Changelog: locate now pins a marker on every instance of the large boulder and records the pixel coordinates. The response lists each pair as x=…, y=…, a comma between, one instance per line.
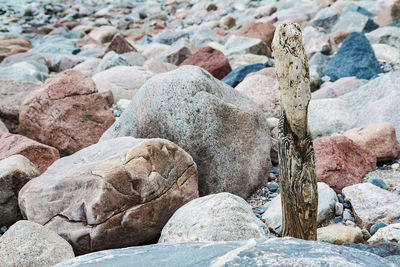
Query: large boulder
x=224, y=131
x=372, y=204
x=260, y=252
x=354, y=58
x=42, y=156
x=30, y=244
x=341, y=162
x=15, y=172
x=109, y=196
x=12, y=94
x=121, y=81
x=210, y=59
x=217, y=217
x=379, y=139
x=67, y=112
x=326, y=208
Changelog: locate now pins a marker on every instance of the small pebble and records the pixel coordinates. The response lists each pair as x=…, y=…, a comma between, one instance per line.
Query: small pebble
x=338, y=209
x=338, y=219
x=395, y=166
x=377, y=182
x=346, y=215
x=340, y=198
x=272, y=186
x=3, y=229
x=346, y=205
x=374, y=228
x=366, y=234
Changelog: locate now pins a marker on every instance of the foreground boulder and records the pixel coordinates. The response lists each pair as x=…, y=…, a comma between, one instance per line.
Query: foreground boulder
x=30, y=244
x=326, y=209
x=379, y=139
x=42, y=156
x=12, y=94
x=372, y=204
x=340, y=162
x=110, y=194
x=208, y=119
x=254, y=252
x=217, y=217
x=15, y=172
x=67, y=112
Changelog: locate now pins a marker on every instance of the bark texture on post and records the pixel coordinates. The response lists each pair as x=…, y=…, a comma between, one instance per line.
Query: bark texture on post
x=296, y=155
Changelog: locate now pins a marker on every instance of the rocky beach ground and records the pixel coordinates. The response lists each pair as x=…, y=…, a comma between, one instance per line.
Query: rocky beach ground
x=146, y=132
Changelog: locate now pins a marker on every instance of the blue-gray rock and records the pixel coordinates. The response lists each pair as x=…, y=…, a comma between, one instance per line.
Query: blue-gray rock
x=318, y=62
x=237, y=75
x=273, y=186
x=354, y=58
x=359, y=9
x=378, y=182
x=383, y=249
x=376, y=227
x=203, y=36
x=210, y=121
x=338, y=219
x=254, y=252
x=169, y=37
x=145, y=40
x=340, y=198
x=112, y=59
x=244, y=45
x=325, y=18
x=395, y=259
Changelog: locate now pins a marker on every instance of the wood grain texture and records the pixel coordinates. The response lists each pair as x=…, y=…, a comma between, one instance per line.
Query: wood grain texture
x=296, y=155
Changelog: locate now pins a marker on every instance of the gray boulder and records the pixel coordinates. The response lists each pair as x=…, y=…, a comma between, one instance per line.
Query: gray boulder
x=224, y=131
x=217, y=217
x=254, y=252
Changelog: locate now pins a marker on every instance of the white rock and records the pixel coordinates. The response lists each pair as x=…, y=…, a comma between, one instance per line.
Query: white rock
x=339, y=234
x=386, y=52
x=390, y=233
x=338, y=209
x=217, y=217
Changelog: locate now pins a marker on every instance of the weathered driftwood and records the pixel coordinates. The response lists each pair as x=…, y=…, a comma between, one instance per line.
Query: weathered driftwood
x=296, y=155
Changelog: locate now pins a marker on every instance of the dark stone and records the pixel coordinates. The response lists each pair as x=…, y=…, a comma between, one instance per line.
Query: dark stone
x=340, y=198
x=354, y=58
x=254, y=252
x=347, y=205
x=374, y=228
x=378, y=182
x=273, y=186
x=370, y=26
x=238, y=74
x=338, y=219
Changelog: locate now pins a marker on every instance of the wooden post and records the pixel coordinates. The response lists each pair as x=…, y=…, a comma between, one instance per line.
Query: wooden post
x=297, y=173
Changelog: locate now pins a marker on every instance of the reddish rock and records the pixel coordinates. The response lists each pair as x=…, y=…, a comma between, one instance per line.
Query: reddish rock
x=120, y=45
x=12, y=94
x=340, y=162
x=379, y=139
x=210, y=59
x=67, y=112
x=211, y=7
x=259, y=30
x=40, y=155
x=11, y=47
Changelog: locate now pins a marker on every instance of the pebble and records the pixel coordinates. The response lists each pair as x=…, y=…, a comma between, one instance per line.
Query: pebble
x=338, y=209
x=338, y=219
x=378, y=182
x=374, y=228
x=347, y=215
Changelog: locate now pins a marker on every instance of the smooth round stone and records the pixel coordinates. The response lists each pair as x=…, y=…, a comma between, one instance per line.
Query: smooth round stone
x=273, y=186
x=377, y=182
x=338, y=219
x=376, y=227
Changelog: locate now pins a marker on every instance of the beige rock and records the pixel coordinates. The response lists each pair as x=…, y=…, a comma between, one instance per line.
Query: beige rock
x=15, y=172
x=110, y=196
x=338, y=234
x=379, y=139
x=372, y=204
x=262, y=88
x=158, y=66
x=153, y=50
x=227, y=21
x=390, y=233
x=103, y=34
x=28, y=244
x=386, y=52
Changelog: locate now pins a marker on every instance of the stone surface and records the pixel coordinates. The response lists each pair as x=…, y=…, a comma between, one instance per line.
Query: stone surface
x=246, y=59
x=120, y=45
x=244, y=45
x=169, y=37
x=264, y=252
x=216, y=217
x=205, y=117
x=158, y=66
x=67, y=112
x=122, y=81
x=12, y=94
x=339, y=87
x=112, y=59
x=210, y=59
x=389, y=35
x=3, y=127
x=42, y=156
x=326, y=209
x=354, y=58
x=30, y=244
x=10, y=47
x=340, y=162
x=258, y=30
x=15, y=171
x=325, y=18
x=110, y=198
x=89, y=66
x=354, y=22
x=372, y=204
x=227, y=21
x=262, y=88
x=374, y=228
x=379, y=139
x=103, y=34
x=177, y=53
x=238, y=74
x=339, y=234
x=386, y=53
x=390, y=233
x=68, y=62
x=204, y=36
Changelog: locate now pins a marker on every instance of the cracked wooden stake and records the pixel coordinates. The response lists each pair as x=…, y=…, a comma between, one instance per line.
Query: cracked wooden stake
x=297, y=173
